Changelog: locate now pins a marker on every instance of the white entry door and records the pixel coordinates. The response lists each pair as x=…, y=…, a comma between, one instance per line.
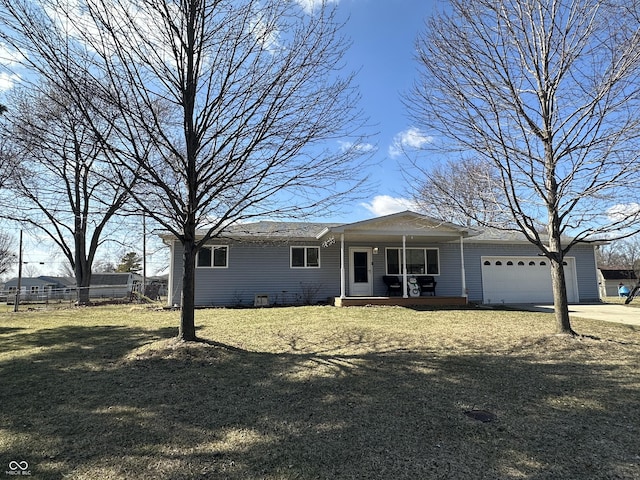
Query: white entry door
x=360, y=272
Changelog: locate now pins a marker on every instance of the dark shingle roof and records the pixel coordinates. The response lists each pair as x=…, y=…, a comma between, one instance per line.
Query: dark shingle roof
x=279, y=230
x=110, y=278
x=617, y=273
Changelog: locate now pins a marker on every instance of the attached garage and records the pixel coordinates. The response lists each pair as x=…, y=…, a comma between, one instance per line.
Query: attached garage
x=523, y=279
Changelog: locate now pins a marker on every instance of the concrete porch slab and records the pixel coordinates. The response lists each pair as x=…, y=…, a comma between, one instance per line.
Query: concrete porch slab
x=399, y=301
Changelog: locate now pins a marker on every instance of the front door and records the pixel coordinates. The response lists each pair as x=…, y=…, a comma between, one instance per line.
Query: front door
x=360, y=272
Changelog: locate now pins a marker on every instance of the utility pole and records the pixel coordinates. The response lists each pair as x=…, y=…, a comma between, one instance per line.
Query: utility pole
x=16, y=302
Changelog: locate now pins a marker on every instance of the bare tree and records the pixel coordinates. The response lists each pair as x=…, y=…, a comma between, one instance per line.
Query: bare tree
x=63, y=185
x=547, y=91
x=7, y=255
x=30, y=270
x=465, y=191
x=621, y=254
x=244, y=103
x=7, y=161
x=104, y=266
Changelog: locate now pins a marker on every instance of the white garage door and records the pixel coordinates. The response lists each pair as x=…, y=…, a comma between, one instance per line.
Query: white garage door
x=523, y=279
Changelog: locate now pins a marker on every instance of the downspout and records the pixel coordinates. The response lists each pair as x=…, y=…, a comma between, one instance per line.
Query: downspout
x=342, y=269
x=404, y=267
x=462, y=270
x=602, y=286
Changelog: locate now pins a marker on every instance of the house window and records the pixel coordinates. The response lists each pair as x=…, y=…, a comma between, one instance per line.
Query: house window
x=213, y=257
x=305, y=257
x=420, y=261
x=34, y=289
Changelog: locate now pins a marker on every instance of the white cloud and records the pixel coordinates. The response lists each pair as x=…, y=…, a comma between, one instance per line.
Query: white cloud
x=7, y=81
x=361, y=147
x=386, y=205
x=266, y=34
x=309, y=6
x=9, y=59
x=412, y=138
x=132, y=21
x=622, y=211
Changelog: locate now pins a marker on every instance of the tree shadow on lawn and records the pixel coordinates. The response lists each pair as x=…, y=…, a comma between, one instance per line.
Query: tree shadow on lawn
x=96, y=402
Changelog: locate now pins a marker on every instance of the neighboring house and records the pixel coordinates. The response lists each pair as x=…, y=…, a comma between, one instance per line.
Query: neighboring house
x=42, y=287
x=297, y=263
x=610, y=279
x=103, y=285
x=114, y=285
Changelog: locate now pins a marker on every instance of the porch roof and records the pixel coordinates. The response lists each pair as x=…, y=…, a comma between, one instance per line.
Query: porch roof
x=414, y=226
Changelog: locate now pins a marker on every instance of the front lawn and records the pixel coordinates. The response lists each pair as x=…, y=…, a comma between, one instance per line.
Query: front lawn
x=317, y=393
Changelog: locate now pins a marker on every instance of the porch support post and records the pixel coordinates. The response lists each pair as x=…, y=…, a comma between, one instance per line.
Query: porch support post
x=405, y=294
x=342, y=269
x=462, y=271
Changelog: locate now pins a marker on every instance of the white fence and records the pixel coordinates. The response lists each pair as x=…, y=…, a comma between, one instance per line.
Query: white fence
x=70, y=294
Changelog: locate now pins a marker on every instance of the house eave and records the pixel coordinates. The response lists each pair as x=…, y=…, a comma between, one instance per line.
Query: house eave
x=392, y=226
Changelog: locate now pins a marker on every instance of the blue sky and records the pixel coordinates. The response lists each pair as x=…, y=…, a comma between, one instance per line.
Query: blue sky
x=383, y=33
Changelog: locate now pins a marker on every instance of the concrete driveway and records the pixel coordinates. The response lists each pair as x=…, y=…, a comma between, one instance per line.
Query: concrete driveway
x=597, y=311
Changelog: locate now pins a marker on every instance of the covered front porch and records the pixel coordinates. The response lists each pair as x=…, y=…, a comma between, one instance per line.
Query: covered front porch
x=408, y=248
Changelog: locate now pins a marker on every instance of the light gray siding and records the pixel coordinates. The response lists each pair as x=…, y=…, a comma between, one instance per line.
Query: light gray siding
x=583, y=254
x=264, y=268
x=587, y=272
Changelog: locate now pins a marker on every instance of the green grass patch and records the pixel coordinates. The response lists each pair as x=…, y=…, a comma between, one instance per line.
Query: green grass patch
x=317, y=393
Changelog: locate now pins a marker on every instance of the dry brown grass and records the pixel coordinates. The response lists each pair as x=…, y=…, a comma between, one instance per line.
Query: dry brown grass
x=317, y=392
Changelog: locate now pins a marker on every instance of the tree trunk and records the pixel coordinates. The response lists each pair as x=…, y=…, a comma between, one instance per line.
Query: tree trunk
x=83, y=290
x=560, y=302
x=556, y=254
x=187, y=330
x=558, y=281
x=83, y=280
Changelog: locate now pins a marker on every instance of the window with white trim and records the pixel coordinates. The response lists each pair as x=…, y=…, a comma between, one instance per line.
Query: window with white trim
x=305, y=257
x=216, y=256
x=420, y=261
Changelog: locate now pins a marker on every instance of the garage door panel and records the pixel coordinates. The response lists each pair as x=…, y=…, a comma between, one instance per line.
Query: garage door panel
x=521, y=279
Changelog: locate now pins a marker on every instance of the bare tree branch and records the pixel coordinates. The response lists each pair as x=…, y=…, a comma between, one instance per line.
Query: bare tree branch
x=7, y=255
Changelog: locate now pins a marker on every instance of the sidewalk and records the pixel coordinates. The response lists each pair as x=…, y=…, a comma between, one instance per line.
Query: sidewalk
x=598, y=311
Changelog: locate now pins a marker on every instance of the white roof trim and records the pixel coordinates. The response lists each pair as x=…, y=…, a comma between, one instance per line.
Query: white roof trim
x=416, y=224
